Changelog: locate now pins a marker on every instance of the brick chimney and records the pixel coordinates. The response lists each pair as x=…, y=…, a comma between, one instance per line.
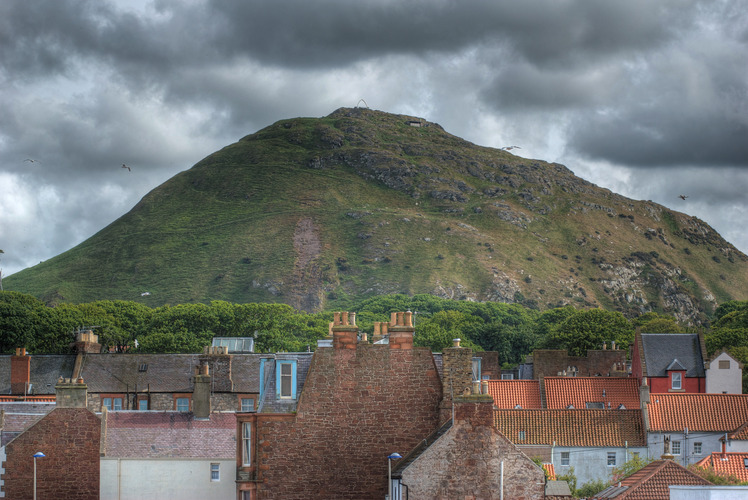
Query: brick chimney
x=475, y=409
x=20, y=372
x=218, y=360
x=201, y=392
x=401, y=331
x=457, y=375
x=71, y=393
x=344, y=333
x=86, y=341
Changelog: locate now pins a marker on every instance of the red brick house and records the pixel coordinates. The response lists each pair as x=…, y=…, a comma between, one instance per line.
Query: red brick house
x=669, y=362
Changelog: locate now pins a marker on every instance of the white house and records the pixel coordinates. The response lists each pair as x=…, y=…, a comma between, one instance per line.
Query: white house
x=724, y=374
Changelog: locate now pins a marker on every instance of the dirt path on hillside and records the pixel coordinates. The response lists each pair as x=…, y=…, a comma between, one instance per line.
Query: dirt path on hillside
x=306, y=286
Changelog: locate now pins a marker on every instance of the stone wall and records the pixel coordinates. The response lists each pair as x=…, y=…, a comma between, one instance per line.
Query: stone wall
x=358, y=406
x=466, y=462
x=70, y=438
x=600, y=362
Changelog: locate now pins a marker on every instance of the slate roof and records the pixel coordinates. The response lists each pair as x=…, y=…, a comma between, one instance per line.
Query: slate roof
x=510, y=393
x=616, y=428
x=45, y=370
x=19, y=416
x=697, y=412
x=661, y=349
x=560, y=392
x=150, y=434
x=729, y=464
x=269, y=404
x=652, y=482
x=164, y=372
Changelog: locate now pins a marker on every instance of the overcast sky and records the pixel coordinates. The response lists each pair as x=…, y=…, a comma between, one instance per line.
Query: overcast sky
x=646, y=98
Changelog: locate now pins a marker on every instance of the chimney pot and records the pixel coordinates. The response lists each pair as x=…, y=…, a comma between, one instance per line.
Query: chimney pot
x=605, y=346
x=476, y=387
x=353, y=319
x=484, y=386
x=18, y=351
x=400, y=319
x=345, y=318
x=408, y=318
x=455, y=342
x=336, y=318
x=393, y=319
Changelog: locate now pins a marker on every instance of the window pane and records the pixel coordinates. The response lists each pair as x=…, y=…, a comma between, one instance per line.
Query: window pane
x=142, y=404
x=248, y=404
x=611, y=458
x=183, y=404
x=676, y=380
x=246, y=443
x=697, y=448
x=215, y=472
x=116, y=403
x=286, y=378
x=564, y=458
x=107, y=403
x=676, y=448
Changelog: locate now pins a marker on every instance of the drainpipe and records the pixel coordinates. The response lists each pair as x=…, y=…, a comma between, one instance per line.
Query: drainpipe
x=501, y=482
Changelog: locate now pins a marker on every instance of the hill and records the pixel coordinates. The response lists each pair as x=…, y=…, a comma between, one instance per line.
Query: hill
x=316, y=212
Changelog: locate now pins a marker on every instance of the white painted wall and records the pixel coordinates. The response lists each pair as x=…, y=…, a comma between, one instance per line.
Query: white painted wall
x=2, y=469
x=708, y=492
x=724, y=380
x=592, y=463
x=709, y=443
x=165, y=479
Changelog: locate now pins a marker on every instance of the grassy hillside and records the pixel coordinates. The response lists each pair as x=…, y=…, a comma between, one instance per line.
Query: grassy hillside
x=317, y=212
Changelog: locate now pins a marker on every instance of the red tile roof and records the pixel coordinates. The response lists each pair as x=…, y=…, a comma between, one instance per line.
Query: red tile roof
x=652, y=482
x=572, y=427
x=510, y=393
x=560, y=392
x=697, y=412
x=741, y=433
x=729, y=464
x=550, y=471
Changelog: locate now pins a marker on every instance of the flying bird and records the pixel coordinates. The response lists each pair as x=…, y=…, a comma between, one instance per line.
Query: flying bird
x=682, y=196
x=509, y=148
x=30, y=160
x=144, y=294
x=128, y=168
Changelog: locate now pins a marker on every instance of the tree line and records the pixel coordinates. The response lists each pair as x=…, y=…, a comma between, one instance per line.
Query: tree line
x=511, y=329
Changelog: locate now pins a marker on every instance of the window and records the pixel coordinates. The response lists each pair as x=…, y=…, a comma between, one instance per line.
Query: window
x=246, y=444
x=594, y=405
x=183, y=404
x=111, y=403
x=521, y=436
x=286, y=380
x=675, y=447
x=611, y=459
x=248, y=404
x=676, y=381
x=215, y=472
x=142, y=404
x=724, y=364
x=507, y=376
x=697, y=448
x=564, y=458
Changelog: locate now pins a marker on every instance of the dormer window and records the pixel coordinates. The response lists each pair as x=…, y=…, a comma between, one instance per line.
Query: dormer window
x=676, y=381
x=286, y=379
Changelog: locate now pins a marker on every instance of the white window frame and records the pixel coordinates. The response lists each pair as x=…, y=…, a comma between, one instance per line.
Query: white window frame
x=247, y=405
x=246, y=444
x=676, y=381
x=612, y=458
x=565, y=458
x=697, y=448
x=675, y=447
x=215, y=472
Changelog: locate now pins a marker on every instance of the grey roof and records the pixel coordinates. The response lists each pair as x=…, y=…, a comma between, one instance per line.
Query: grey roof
x=557, y=488
x=661, y=349
x=163, y=372
x=269, y=403
x=675, y=366
x=19, y=416
x=45, y=370
x=148, y=434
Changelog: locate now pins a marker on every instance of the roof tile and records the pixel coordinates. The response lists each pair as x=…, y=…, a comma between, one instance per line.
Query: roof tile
x=729, y=464
x=510, y=393
x=560, y=392
x=697, y=412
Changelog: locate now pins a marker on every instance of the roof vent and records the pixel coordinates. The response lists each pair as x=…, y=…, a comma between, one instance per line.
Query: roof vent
x=143, y=367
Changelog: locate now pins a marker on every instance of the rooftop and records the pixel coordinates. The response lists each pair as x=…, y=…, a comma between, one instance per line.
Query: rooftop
x=730, y=464
x=652, y=482
x=512, y=393
x=697, y=412
x=661, y=349
x=616, y=428
x=560, y=392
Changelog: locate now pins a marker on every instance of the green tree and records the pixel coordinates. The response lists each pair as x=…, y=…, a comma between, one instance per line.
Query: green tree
x=588, y=330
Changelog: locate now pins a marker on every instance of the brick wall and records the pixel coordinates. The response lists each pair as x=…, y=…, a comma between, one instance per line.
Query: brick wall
x=602, y=362
x=69, y=437
x=20, y=372
x=357, y=407
x=466, y=461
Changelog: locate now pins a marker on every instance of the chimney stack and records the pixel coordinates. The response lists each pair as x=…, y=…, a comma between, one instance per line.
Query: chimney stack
x=71, y=393
x=344, y=334
x=401, y=332
x=201, y=393
x=20, y=372
x=457, y=375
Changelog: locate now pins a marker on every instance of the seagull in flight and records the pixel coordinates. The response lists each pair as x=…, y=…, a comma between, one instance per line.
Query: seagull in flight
x=509, y=148
x=30, y=160
x=128, y=168
x=682, y=196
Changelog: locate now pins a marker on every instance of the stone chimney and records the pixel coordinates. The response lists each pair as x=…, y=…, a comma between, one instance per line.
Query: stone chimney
x=201, y=392
x=344, y=333
x=20, y=372
x=643, y=400
x=457, y=375
x=86, y=341
x=474, y=409
x=218, y=360
x=401, y=332
x=71, y=393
